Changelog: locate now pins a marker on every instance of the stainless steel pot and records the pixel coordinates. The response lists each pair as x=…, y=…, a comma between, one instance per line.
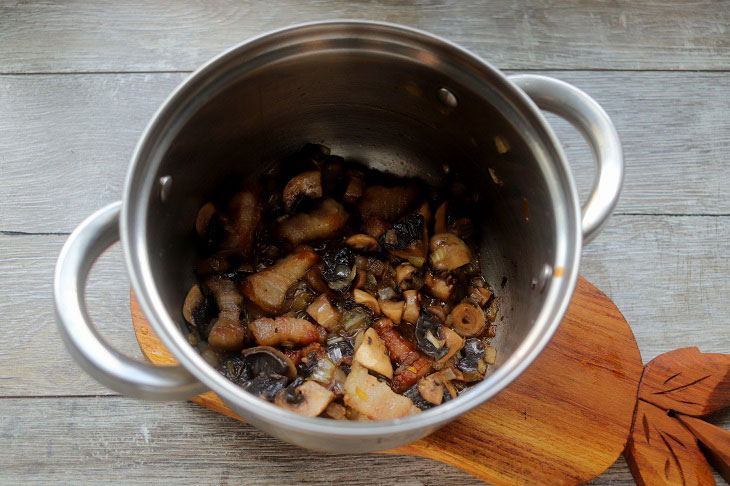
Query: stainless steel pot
x=395, y=98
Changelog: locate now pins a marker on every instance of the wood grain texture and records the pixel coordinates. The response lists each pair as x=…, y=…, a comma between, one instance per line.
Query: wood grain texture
x=663, y=452
x=669, y=276
x=714, y=442
x=561, y=433
x=76, y=133
x=688, y=382
x=142, y=36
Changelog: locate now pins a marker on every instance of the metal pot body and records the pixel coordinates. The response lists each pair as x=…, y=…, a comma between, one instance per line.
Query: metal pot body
x=396, y=99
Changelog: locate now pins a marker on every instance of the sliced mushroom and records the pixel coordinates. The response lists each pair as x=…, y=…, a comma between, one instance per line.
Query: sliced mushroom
x=429, y=336
x=363, y=298
x=407, y=238
x=453, y=344
x=437, y=310
x=268, y=288
x=265, y=386
x=286, y=331
x=265, y=360
x=205, y=214
x=479, y=295
x=471, y=364
x=448, y=252
x=323, y=223
x=370, y=352
x=309, y=399
x=388, y=203
x=339, y=270
x=322, y=311
x=412, y=306
x=403, y=272
x=373, y=398
x=305, y=185
x=466, y=319
x=439, y=286
x=393, y=310
x=431, y=388
x=245, y=214
x=362, y=242
x=193, y=300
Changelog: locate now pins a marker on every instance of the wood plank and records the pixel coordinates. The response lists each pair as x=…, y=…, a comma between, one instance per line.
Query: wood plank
x=85, y=440
x=74, y=134
x=133, y=36
x=669, y=277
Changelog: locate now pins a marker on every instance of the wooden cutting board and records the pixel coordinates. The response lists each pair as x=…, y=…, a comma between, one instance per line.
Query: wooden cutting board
x=563, y=421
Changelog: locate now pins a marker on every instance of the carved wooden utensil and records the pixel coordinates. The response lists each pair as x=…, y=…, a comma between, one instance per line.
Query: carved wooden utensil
x=568, y=417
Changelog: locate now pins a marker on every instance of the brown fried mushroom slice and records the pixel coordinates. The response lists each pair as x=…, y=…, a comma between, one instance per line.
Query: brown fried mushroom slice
x=466, y=319
x=370, y=352
x=431, y=388
x=448, y=252
x=309, y=399
x=363, y=298
x=453, y=344
x=307, y=184
x=362, y=242
x=286, y=331
x=391, y=309
x=324, y=222
x=439, y=286
x=265, y=360
x=411, y=310
x=192, y=301
x=403, y=272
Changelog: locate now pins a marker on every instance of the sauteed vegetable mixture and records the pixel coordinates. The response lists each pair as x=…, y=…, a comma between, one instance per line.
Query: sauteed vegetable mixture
x=333, y=290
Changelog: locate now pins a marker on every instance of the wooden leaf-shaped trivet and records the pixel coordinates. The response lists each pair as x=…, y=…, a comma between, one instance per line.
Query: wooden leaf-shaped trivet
x=664, y=447
x=563, y=421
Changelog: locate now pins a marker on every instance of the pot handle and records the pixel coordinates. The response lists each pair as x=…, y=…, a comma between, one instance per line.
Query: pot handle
x=120, y=373
x=584, y=113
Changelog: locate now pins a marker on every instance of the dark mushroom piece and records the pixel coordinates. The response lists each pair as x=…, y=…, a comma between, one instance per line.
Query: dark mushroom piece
x=309, y=398
x=430, y=337
x=472, y=364
x=407, y=239
x=305, y=185
x=338, y=270
x=264, y=371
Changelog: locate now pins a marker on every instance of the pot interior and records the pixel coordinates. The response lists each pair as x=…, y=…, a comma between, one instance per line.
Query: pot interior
x=379, y=100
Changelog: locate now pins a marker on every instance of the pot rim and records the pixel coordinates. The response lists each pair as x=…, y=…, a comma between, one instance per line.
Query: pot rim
x=133, y=237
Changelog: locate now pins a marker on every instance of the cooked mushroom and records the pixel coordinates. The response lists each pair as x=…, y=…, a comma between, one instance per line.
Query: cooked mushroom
x=466, y=319
x=309, y=399
x=404, y=271
x=245, y=215
x=431, y=388
x=490, y=355
x=453, y=344
x=388, y=203
x=479, y=295
x=265, y=360
x=268, y=288
x=362, y=242
x=324, y=222
x=336, y=411
x=471, y=364
x=192, y=301
x=448, y=252
x=370, y=352
x=286, y=331
x=265, y=386
x=393, y=310
x=412, y=306
x=492, y=310
x=440, y=286
x=205, y=214
x=429, y=336
x=321, y=310
x=363, y=298
x=338, y=270
x=407, y=238
x=305, y=185
x=373, y=398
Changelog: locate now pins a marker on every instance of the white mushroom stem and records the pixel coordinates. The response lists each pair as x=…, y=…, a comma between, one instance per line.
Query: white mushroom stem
x=363, y=298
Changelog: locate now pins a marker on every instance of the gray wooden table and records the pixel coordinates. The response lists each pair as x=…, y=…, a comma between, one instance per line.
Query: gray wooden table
x=79, y=80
